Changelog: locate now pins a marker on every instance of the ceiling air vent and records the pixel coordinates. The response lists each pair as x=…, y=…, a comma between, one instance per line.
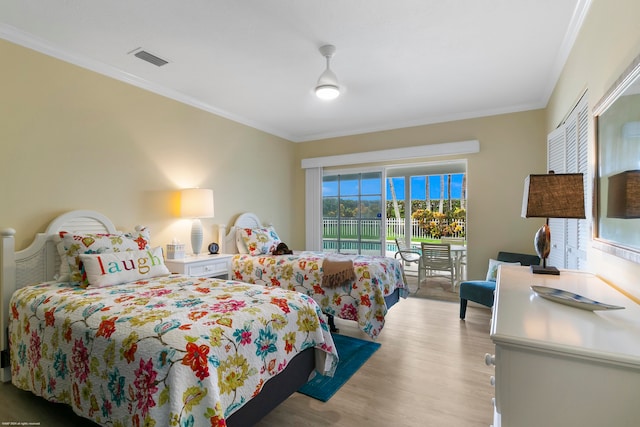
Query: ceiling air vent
x=146, y=56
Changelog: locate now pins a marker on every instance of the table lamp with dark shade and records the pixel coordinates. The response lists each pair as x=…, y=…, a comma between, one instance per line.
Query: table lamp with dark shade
x=623, y=195
x=551, y=196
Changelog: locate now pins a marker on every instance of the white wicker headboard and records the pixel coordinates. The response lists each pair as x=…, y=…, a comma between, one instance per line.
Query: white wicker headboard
x=245, y=220
x=39, y=262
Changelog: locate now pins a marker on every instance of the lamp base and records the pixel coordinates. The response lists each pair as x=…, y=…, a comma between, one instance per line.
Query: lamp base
x=196, y=236
x=538, y=269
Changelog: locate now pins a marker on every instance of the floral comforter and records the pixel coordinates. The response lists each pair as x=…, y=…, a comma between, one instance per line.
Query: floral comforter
x=361, y=300
x=166, y=351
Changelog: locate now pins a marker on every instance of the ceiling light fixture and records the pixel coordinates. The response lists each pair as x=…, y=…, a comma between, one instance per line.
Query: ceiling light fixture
x=327, y=87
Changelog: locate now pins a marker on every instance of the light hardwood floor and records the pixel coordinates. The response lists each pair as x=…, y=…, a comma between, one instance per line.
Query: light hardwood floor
x=429, y=371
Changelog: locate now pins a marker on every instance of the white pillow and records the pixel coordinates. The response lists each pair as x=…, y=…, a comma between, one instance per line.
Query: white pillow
x=492, y=272
x=115, y=268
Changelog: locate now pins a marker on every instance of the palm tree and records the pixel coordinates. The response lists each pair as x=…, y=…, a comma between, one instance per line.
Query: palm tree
x=449, y=192
x=441, y=206
x=427, y=198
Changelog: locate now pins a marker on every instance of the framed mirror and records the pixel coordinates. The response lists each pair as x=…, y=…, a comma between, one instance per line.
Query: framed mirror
x=617, y=179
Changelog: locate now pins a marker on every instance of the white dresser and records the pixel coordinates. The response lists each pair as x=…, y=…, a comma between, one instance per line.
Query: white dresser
x=562, y=366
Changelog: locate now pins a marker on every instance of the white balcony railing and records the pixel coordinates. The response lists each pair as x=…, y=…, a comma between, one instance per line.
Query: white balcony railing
x=395, y=227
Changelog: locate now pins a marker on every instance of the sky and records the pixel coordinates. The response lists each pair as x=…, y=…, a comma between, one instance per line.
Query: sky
x=418, y=189
x=369, y=184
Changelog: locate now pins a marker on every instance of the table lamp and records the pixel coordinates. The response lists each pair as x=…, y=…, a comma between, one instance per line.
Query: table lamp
x=551, y=196
x=196, y=203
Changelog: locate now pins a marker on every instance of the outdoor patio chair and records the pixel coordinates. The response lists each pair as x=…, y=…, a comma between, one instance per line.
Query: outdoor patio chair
x=459, y=255
x=436, y=261
x=407, y=256
x=453, y=240
x=481, y=291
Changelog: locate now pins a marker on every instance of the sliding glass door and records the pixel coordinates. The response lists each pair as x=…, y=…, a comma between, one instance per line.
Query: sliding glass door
x=353, y=213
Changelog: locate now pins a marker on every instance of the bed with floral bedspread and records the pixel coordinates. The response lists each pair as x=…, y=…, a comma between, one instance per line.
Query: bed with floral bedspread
x=165, y=351
x=361, y=300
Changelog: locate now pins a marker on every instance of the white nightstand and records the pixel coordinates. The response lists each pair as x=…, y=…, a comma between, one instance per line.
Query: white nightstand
x=201, y=265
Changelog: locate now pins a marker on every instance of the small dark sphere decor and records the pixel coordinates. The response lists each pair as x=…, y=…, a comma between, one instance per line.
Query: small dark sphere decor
x=542, y=242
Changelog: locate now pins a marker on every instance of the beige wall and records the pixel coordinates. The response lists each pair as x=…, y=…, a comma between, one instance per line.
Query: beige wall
x=74, y=139
x=511, y=147
x=607, y=44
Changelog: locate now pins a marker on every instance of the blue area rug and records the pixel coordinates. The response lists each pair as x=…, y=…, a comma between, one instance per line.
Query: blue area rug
x=353, y=353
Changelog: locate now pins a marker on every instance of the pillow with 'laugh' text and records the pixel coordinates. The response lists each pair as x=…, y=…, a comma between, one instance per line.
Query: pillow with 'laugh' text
x=115, y=268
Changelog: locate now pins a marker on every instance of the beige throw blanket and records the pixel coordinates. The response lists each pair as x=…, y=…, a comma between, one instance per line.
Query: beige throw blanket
x=336, y=271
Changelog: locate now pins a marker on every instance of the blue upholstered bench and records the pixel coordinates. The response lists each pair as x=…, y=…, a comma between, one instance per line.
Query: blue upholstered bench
x=481, y=291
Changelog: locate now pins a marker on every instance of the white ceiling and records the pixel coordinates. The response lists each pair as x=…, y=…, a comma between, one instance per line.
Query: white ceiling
x=399, y=62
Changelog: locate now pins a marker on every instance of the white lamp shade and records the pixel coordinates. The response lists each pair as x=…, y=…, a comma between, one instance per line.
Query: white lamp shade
x=196, y=203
